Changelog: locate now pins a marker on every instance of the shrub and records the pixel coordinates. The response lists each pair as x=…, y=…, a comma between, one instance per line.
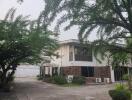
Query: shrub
x=125, y=77
x=39, y=77
x=79, y=80
x=120, y=94
x=120, y=87
x=48, y=79
x=59, y=80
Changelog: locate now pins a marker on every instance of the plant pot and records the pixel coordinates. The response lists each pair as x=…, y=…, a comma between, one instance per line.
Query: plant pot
x=120, y=94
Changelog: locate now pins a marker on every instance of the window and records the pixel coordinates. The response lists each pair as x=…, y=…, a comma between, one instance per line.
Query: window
x=70, y=53
x=83, y=53
x=87, y=71
x=70, y=56
x=57, y=55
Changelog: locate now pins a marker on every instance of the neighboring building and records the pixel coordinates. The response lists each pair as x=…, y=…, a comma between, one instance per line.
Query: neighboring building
x=77, y=60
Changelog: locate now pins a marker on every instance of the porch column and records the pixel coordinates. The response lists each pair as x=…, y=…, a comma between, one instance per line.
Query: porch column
x=58, y=69
x=112, y=74
x=50, y=71
x=128, y=69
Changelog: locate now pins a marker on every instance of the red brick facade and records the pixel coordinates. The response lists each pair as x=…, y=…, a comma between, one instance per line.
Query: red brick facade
x=73, y=70
x=102, y=72
x=99, y=72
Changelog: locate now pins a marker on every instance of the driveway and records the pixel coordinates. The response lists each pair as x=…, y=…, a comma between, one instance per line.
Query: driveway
x=31, y=89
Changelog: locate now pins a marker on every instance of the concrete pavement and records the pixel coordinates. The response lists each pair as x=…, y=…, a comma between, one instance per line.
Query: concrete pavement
x=31, y=89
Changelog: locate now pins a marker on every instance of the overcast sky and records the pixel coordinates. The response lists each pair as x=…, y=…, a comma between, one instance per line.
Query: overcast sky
x=33, y=8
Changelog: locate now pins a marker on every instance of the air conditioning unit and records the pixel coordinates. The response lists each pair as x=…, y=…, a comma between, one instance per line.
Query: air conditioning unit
x=98, y=80
x=107, y=80
x=69, y=78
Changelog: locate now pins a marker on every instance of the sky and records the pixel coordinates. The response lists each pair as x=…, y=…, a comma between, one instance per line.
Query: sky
x=33, y=8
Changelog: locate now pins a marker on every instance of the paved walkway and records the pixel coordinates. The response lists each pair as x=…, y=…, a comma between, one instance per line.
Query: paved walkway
x=31, y=89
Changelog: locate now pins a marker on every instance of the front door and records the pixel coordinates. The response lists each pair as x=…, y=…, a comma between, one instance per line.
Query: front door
x=87, y=71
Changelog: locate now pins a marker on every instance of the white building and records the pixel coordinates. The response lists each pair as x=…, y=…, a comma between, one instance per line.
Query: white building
x=76, y=60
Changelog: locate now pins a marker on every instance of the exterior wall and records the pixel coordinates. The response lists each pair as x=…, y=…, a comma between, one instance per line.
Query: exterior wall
x=99, y=72
x=63, y=60
x=75, y=66
x=73, y=70
x=102, y=72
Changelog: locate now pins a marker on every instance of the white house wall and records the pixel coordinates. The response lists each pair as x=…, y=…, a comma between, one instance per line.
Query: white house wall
x=63, y=61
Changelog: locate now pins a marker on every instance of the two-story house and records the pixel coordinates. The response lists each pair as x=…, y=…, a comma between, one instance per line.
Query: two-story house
x=77, y=60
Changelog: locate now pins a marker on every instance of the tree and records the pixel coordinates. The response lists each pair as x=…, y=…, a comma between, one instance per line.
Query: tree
x=112, y=20
x=22, y=40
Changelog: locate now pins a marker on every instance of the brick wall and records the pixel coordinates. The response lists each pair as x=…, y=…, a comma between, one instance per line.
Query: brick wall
x=102, y=72
x=99, y=72
x=73, y=70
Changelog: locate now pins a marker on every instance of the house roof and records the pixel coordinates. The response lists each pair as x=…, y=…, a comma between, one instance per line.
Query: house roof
x=76, y=42
x=71, y=41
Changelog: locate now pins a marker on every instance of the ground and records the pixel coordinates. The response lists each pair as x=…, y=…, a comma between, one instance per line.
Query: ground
x=31, y=89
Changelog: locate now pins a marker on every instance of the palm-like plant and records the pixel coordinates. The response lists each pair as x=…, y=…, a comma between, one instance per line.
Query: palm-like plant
x=22, y=40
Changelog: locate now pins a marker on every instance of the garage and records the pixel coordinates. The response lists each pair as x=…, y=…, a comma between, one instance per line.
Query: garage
x=27, y=71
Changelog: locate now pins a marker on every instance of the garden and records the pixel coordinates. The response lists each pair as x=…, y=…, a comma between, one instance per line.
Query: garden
x=123, y=90
x=64, y=81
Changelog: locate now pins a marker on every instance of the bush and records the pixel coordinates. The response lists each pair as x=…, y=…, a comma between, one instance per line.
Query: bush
x=125, y=77
x=48, y=80
x=120, y=94
x=39, y=77
x=59, y=80
x=120, y=87
x=79, y=80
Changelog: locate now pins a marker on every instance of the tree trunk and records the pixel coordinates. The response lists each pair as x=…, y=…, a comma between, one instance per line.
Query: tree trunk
x=6, y=78
x=3, y=83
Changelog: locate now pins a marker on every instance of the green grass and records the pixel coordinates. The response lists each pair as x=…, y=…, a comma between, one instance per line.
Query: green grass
x=71, y=85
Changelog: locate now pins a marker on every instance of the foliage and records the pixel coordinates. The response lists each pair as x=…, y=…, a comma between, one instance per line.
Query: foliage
x=79, y=80
x=120, y=87
x=48, y=79
x=111, y=19
x=59, y=80
x=106, y=15
x=125, y=77
x=39, y=77
x=22, y=41
x=120, y=94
